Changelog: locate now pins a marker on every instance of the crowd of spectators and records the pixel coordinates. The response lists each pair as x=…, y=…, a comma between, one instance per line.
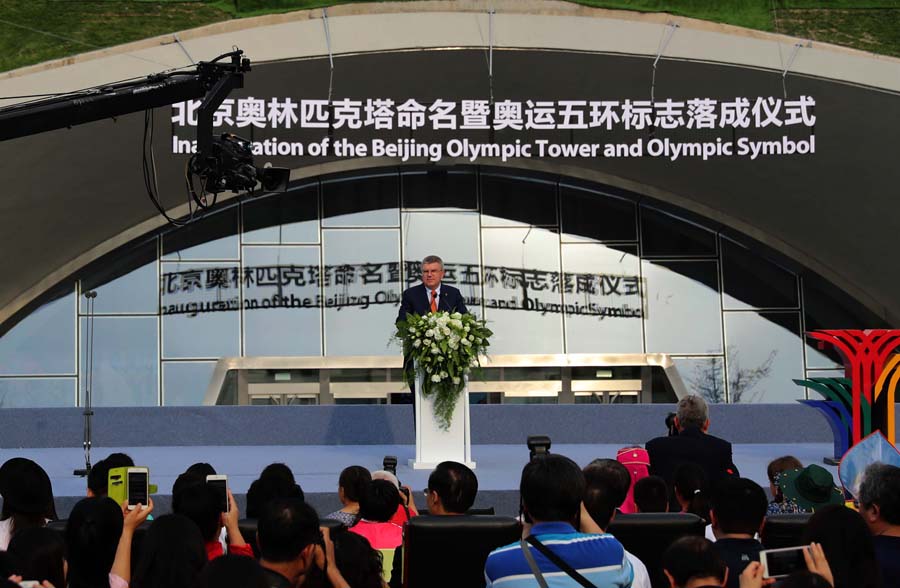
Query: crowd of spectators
x=567, y=513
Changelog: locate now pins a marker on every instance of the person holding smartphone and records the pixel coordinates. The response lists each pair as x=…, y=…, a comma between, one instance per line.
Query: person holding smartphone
x=754, y=575
x=99, y=535
x=198, y=501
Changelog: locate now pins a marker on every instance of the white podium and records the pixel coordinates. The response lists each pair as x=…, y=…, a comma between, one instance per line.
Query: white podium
x=433, y=444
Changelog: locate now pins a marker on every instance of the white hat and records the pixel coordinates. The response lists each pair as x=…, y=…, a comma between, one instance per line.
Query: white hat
x=386, y=475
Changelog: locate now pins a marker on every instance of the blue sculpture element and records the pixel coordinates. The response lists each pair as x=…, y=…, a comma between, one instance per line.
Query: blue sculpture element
x=837, y=408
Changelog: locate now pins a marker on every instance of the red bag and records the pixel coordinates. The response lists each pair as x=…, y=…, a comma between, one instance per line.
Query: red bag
x=637, y=461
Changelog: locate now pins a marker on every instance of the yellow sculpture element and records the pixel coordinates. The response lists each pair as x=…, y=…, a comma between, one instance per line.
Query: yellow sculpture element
x=891, y=390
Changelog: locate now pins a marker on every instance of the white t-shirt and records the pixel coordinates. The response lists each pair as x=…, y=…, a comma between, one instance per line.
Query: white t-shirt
x=5, y=533
x=641, y=577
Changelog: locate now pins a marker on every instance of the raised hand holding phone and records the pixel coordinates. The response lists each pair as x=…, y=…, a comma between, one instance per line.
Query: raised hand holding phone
x=135, y=516
x=752, y=576
x=816, y=562
x=230, y=520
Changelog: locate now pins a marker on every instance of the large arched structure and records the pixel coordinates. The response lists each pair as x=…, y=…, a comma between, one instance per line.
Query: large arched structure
x=75, y=196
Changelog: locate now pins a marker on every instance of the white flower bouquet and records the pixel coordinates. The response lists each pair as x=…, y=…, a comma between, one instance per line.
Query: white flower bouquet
x=446, y=346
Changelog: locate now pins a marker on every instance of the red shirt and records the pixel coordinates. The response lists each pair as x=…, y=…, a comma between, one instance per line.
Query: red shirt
x=401, y=517
x=380, y=535
x=214, y=550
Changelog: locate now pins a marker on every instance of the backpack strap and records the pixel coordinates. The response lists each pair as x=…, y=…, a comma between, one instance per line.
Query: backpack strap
x=542, y=583
x=558, y=562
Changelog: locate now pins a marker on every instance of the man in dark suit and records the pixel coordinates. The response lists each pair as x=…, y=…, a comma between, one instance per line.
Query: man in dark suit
x=691, y=444
x=429, y=296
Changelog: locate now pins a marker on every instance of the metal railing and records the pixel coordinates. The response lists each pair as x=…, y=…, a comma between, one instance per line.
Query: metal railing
x=562, y=378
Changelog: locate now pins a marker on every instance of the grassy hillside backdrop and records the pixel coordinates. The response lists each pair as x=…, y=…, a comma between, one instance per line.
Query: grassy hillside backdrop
x=32, y=31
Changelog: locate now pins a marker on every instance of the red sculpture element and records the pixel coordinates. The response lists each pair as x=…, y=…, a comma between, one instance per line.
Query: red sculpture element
x=864, y=353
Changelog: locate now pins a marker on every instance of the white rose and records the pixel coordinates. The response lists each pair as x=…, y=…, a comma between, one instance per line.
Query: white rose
x=435, y=350
x=435, y=378
x=445, y=330
x=456, y=315
x=466, y=328
x=456, y=380
x=465, y=342
x=417, y=343
x=429, y=333
x=443, y=374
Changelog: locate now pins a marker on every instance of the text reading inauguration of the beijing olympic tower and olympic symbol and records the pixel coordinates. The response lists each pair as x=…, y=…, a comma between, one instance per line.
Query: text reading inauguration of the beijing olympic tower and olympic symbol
x=707, y=128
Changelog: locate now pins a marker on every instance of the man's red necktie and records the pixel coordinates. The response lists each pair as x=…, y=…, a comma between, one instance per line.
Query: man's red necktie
x=434, y=301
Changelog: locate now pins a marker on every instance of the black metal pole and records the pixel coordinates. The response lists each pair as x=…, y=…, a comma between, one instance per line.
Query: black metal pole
x=89, y=377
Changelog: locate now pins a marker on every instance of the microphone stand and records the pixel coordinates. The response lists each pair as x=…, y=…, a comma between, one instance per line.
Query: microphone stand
x=89, y=365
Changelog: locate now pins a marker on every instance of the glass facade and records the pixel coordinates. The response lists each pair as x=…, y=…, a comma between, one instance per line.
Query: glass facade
x=555, y=265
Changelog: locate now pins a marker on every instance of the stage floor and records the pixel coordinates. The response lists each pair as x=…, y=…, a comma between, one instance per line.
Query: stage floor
x=317, y=467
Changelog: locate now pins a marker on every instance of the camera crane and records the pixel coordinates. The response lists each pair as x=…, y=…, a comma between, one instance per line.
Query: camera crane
x=221, y=163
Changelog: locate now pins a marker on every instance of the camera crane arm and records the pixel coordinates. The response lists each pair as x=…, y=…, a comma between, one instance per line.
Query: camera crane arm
x=224, y=163
x=221, y=163
x=211, y=81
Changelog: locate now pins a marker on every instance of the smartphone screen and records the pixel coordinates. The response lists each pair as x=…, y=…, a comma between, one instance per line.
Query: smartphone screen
x=219, y=485
x=137, y=488
x=784, y=562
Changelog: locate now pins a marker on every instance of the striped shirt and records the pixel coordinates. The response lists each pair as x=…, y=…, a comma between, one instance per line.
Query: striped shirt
x=599, y=558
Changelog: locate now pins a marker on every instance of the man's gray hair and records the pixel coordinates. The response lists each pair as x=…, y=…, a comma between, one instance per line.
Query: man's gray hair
x=433, y=259
x=881, y=485
x=692, y=411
